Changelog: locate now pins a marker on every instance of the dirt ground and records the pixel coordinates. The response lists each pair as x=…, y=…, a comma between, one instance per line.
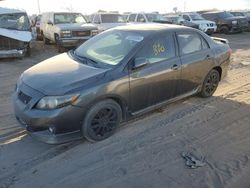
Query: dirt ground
x=145, y=152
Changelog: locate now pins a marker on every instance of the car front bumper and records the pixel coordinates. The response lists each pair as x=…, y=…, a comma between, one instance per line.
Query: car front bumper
x=72, y=42
x=12, y=53
x=50, y=126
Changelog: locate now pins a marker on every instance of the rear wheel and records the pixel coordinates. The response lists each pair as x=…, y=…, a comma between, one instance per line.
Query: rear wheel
x=102, y=120
x=210, y=83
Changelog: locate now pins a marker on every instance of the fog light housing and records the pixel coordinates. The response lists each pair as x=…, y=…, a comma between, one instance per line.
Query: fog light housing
x=52, y=130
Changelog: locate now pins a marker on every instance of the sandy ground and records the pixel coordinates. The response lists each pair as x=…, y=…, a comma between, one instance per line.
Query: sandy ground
x=145, y=152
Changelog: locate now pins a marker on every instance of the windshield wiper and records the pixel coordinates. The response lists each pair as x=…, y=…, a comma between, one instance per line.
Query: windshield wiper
x=85, y=59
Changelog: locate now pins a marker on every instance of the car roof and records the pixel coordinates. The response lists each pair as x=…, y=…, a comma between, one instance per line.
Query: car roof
x=152, y=28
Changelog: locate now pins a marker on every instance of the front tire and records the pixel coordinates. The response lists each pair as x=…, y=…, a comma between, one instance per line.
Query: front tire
x=225, y=29
x=45, y=40
x=102, y=120
x=210, y=84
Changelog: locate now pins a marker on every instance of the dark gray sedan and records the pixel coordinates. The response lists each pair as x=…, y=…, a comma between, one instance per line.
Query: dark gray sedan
x=119, y=73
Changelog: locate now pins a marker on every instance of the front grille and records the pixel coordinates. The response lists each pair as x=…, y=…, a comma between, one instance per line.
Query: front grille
x=23, y=97
x=10, y=44
x=81, y=33
x=210, y=25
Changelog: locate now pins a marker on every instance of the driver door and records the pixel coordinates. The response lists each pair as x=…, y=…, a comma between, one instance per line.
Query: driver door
x=156, y=80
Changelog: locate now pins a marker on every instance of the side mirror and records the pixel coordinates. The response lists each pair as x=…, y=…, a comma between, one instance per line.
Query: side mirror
x=49, y=23
x=140, y=62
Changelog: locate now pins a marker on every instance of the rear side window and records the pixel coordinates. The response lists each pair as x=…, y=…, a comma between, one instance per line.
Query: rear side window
x=158, y=49
x=189, y=43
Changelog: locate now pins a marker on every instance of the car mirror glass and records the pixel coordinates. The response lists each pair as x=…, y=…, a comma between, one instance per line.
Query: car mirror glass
x=49, y=23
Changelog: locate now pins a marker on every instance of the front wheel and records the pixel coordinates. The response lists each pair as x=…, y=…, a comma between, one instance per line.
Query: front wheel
x=210, y=83
x=102, y=120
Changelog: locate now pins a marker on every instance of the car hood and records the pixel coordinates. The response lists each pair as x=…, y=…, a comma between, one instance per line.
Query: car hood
x=24, y=36
x=203, y=22
x=76, y=26
x=60, y=75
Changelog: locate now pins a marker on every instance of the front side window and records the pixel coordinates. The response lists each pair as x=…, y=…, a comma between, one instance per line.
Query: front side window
x=112, y=18
x=158, y=49
x=140, y=18
x=132, y=18
x=196, y=17
x=97, y=19
x=226, y=15
x=189, y=43
x=15, y=21
x=186, y=17
x=62, y=18
x=155, y=17
x=109, y=47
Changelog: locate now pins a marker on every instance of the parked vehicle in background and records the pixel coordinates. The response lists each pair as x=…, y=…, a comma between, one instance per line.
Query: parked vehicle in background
x=206, y=26
x=178, y=20
x=147, y=18
x=37, y=22
x=243, y=14
x=15, y=33
x=107, y=20
x=120, y=73
x=66, y=29
x=226, y=22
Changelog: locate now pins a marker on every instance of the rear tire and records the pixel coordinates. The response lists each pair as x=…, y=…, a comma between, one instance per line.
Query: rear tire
x=210, y=84
x=102, y=120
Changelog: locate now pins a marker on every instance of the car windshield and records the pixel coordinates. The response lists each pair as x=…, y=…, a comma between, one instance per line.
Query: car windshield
x=61, y=18
x=15, y=21
x=112, y=18
x=109, y=47
x=196, y=17
x=226, y=15
x=155, y=17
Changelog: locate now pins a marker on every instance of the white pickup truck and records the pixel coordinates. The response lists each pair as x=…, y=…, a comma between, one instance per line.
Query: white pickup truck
x=206, y=26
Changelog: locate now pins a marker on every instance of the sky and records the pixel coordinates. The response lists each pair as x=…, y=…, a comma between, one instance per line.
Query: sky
x=88, y=7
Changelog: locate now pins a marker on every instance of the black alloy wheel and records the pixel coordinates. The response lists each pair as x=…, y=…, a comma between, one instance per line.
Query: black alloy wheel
x=210, y=83
x=102, y=120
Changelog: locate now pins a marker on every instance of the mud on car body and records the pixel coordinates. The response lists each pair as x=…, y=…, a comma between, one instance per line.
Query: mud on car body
x=120, y=73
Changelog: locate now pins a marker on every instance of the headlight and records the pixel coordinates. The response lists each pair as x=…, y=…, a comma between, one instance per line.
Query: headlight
x=52, y=102
x=234, y=22
x=94, y=32
x=65, y=33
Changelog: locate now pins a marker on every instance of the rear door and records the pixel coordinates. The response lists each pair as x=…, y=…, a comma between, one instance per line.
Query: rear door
x=196, y=58
x=158, y=80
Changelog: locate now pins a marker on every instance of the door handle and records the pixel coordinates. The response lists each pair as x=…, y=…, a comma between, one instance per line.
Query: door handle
x=175, y=67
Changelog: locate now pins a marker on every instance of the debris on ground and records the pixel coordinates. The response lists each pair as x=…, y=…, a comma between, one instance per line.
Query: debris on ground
x=193, y=161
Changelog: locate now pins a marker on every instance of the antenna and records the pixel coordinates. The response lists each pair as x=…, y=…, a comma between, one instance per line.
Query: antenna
x=38, y=4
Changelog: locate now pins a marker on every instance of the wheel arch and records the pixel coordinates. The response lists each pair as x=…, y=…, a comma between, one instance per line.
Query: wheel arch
x=219, y=69
x=118, y=99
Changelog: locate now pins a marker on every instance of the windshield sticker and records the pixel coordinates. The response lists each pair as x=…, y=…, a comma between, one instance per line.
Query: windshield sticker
x=158, y=49
x=135, y=38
